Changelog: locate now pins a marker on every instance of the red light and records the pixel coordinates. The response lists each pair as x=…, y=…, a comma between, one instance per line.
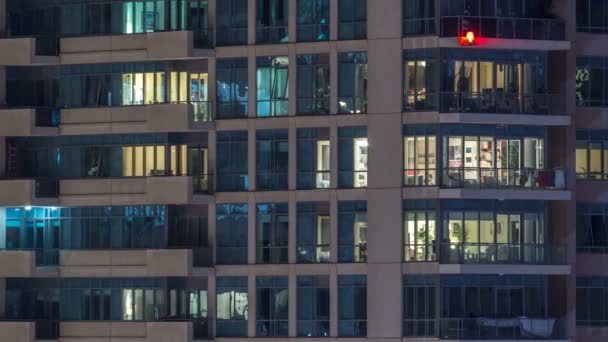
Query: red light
x=468, y=39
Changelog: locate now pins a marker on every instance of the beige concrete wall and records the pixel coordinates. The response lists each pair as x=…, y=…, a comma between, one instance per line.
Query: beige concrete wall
x=123, y=263
x=17, y=122
x=127, y=48
x=22, y=51
x=126, y=331
x=17, y=331
x=16, y=192
x=128, y=119
x=127, y=191
x=16, y=264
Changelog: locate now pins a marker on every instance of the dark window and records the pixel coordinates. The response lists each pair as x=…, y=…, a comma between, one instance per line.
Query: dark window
x=272, y=303
x=272, y=21
x=313, y=306
x=231, y=22
x=232, y=161
x=313, y=84
x=352, y=17
x=591, y=16
x=272, y=159
x=591, y=228
x=352, y=231
x=352, y=83
x=232, y=306
x=313, y=20
x=352, y=157
x=313, y=158
x=313, y=232
x=418, y=17
x=232, y=88
x=272, y=235
x=231, y=240
x=419, y=305
x=352, y=305
x=591, y=300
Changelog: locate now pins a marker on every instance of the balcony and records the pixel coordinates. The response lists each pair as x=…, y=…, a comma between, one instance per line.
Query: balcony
x=489, y=107
x=504, y=28
x=131, y=262
x=150, y=46
x=25, y=122
x=28, y=330
x=24, y=263
x=27, y=192
x=502, y=253
x=170, y=117
x=517, y=328
x=175, y=331
x=495, y=178
x=29, y=51
x=135, y=190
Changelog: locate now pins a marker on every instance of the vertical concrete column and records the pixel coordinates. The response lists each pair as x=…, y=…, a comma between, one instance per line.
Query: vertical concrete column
x=292, y=226
x=212, y=230
x=333, y=21
x=251, y=157
x=333, y=227
x=211, y=89
x=211, y=158
x=333, y=301
x=251, y=228
x=384, y=237
x=293, y=147
x=293, y=79
x=251, y=305
x=333, y=78
x=212, y=17
x=2, y=82
x=2, y=297
x=211, y=300
x=333, y=154
x=251, y=20
x=251, y=81
x=293, y=308
x=293, y=17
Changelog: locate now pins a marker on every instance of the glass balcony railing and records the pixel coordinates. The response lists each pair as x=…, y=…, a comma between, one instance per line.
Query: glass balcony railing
x=487, y=102
x=516, y=328
x=503, y=253
x=504, y=28
x=498, y=178
x=503, y=103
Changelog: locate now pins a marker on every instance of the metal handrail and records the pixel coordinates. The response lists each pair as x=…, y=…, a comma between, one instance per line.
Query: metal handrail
x=504, y=27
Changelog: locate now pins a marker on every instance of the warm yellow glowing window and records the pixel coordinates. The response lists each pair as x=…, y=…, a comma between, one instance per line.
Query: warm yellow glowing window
x=139, y=161
x=127, y=161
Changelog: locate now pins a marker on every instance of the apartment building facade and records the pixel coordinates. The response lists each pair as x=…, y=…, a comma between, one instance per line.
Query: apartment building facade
x=383, y=170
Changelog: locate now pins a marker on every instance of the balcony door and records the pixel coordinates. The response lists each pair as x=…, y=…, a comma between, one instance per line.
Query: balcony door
x=198, y=168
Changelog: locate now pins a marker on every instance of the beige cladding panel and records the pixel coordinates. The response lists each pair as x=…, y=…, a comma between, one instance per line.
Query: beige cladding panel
x=17, y=331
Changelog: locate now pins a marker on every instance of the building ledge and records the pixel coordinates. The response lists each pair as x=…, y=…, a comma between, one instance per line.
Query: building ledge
x=130, y=48
x=426, y=42
x=500, y=194
x=23, y=52
x=435, y=117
